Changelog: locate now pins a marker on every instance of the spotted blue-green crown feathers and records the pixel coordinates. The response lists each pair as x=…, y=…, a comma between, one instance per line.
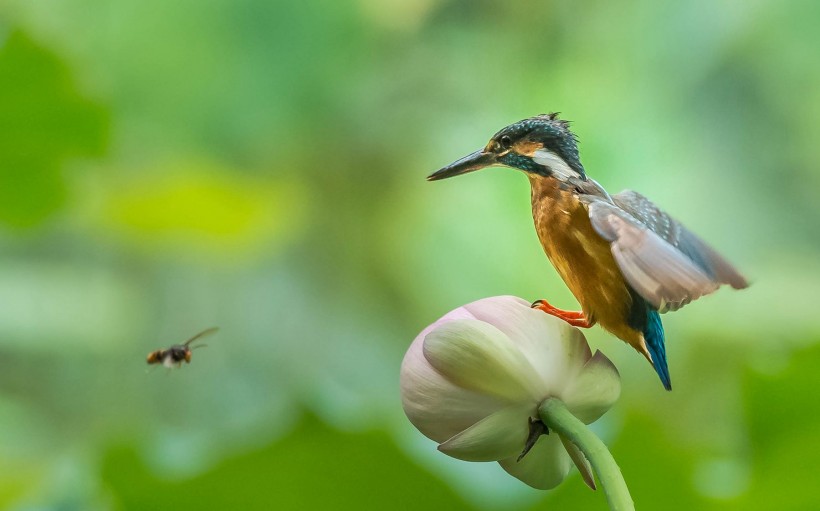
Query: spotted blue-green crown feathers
x=552, y=132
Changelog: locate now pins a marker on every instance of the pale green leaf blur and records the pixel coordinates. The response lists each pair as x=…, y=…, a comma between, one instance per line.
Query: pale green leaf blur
x=167, y=166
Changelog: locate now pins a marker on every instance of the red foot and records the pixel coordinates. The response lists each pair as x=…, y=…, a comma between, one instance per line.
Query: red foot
x=574, y=318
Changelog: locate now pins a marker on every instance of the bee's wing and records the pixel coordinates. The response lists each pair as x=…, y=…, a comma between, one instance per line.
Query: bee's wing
x=664, y=262
x=200, y=335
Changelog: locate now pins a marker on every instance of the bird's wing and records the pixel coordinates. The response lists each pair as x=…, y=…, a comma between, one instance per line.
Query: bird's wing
x=662, y=260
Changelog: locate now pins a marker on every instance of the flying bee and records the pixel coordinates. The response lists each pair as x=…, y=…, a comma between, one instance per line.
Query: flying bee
x=178, y=353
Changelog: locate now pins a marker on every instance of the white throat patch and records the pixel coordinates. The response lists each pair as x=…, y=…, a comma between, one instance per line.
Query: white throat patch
x=555, y=163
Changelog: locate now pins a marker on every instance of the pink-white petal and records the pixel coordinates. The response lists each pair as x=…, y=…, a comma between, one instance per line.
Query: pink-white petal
x=594, y=390
x=435, y=406
x=554, y=349
x=544, y=467
x=477, y=356
x=494, y=438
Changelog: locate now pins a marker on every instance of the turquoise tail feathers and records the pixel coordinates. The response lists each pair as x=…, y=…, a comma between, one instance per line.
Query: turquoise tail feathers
x=654, y=337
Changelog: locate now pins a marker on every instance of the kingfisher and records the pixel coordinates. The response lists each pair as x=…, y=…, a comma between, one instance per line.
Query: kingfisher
x=624, y=259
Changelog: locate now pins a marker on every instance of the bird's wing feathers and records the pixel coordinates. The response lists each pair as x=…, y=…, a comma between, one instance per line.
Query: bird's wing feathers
x=680, y=237
x=664, y=262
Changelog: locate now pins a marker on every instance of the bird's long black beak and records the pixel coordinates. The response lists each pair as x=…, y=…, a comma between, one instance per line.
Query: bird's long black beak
x=472, y=162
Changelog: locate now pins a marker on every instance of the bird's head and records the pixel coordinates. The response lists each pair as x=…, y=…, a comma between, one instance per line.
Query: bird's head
x=542, y=145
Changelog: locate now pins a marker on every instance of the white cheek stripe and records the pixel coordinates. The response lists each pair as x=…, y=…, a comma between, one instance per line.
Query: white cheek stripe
x=555, y=163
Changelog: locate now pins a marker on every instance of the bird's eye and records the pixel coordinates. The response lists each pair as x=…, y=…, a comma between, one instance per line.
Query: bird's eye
x=505, y=142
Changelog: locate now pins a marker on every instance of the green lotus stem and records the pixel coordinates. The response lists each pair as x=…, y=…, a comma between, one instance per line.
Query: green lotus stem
x=558, y=418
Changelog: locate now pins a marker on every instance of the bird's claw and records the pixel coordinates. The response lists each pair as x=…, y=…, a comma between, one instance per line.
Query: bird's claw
x=574, y=318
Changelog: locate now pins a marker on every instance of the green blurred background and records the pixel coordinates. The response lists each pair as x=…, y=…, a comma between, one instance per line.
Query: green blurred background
x=259, y=165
